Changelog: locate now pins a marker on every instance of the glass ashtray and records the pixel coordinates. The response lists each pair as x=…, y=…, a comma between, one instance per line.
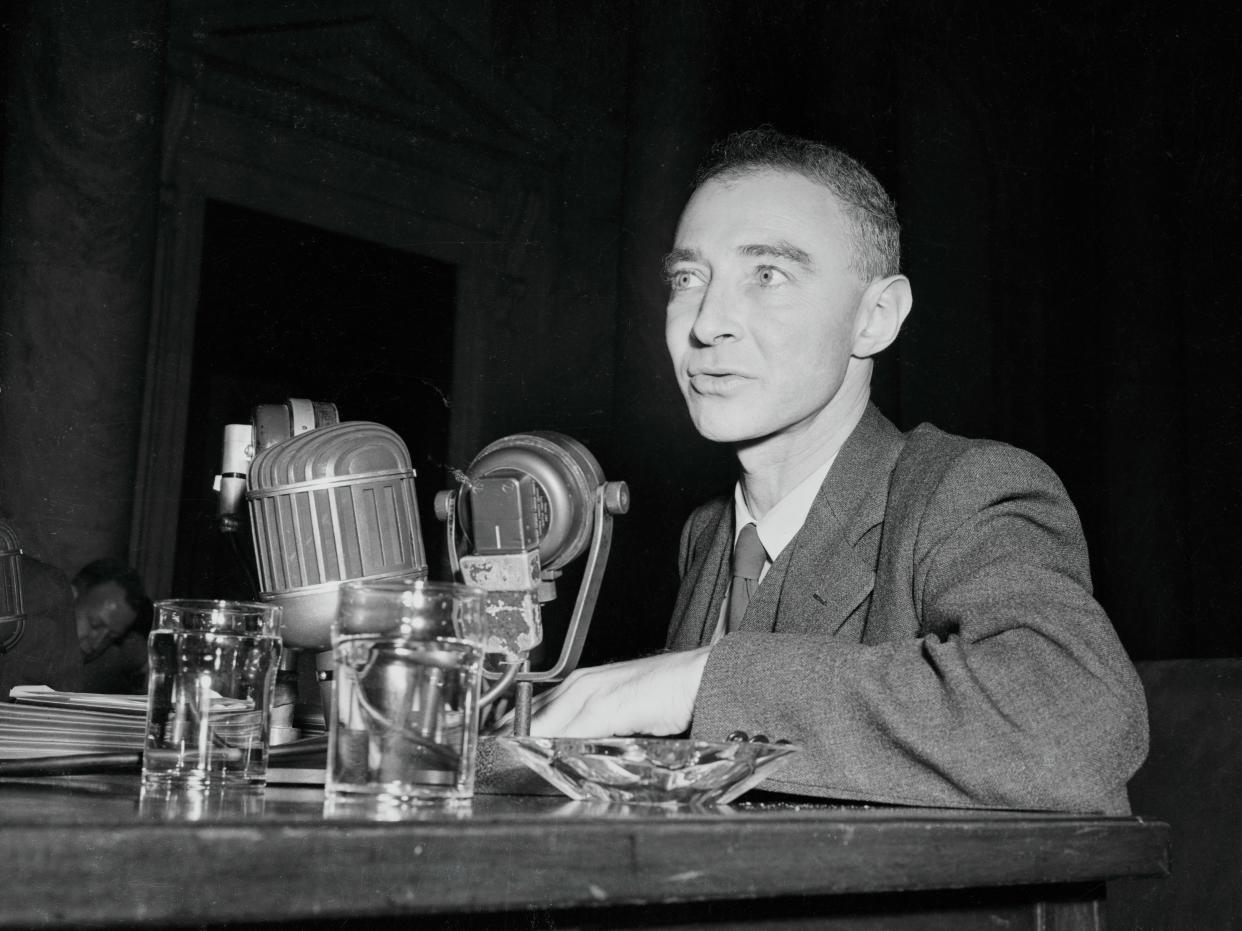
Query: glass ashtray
x=650, y=770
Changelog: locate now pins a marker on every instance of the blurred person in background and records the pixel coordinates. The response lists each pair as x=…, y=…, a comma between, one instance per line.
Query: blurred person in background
x=113, y=616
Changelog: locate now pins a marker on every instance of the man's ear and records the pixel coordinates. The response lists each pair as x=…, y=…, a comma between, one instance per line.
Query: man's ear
x=881, y=312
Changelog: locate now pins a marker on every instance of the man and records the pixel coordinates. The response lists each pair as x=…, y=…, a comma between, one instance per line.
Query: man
x=923, y=624
x=113, y=615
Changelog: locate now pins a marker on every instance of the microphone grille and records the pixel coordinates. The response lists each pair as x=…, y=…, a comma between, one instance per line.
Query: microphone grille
x=334, y=504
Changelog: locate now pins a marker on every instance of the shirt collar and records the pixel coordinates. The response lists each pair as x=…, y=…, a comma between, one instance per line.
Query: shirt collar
x=786, y=517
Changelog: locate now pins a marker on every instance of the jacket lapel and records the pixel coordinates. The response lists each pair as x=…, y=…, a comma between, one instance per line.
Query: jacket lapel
x=705, y=583
x=827, y=571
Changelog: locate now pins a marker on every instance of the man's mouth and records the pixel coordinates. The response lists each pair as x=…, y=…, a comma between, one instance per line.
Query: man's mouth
x=715, y=381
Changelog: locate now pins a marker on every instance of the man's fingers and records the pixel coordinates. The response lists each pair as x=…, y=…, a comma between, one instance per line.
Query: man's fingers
x=654, y=695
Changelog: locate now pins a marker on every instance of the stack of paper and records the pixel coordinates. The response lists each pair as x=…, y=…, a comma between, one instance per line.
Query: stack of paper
x=43, y=722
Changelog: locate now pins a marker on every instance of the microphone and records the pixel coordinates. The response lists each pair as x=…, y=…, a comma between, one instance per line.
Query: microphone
x=269, y=425
x=333, y=504
x=329, y=502
x=12, y=609
x=528, y=505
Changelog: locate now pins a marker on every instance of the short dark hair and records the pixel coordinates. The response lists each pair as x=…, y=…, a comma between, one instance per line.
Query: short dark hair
x=868, y=207
x=98, y=571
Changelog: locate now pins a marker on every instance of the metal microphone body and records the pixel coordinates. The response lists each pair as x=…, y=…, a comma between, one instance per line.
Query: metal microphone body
x=331, y=505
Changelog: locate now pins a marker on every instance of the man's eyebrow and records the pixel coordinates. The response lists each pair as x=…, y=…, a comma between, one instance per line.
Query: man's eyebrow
x=779, y=249
x=680, y=255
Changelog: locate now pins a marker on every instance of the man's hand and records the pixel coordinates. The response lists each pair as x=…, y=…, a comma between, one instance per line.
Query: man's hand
x=654, y=695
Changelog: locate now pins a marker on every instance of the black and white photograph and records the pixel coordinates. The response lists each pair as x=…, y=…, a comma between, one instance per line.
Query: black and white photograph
x=583, y=464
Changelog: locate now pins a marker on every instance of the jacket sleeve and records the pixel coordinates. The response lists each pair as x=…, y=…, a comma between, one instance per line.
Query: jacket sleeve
x=1008, y=688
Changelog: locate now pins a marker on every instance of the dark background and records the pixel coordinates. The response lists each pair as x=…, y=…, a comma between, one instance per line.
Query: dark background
x=360, y=347
x=1067, y=175
x=1068, y=180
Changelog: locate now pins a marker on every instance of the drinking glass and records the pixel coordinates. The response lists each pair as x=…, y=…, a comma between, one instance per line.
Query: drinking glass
x=212, y=674
x=408, y=662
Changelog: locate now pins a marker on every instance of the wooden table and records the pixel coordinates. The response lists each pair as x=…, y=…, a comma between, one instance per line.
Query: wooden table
x=79, y=850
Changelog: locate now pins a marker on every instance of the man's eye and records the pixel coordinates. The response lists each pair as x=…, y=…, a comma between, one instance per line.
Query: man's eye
x=770, y=275
x=682, y=279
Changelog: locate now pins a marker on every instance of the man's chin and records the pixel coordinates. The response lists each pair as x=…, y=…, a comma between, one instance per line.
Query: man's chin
x=732, y=434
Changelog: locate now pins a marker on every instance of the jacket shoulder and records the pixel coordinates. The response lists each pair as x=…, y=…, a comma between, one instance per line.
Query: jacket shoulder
x=951, y=494
x=932, y=458
x=708, y=512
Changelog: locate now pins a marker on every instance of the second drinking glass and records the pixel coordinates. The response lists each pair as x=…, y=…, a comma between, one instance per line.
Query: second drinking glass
x=408, y=664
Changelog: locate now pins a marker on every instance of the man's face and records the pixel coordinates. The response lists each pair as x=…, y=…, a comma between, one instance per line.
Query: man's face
x=762, y=305
x=103, y=617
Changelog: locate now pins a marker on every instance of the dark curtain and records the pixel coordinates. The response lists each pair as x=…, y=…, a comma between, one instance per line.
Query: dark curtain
x=1067, y=178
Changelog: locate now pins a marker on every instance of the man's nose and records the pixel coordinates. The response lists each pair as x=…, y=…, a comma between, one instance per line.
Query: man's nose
x=716, y=319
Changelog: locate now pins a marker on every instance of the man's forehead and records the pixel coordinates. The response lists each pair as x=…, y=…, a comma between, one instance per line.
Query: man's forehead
x=761, y=212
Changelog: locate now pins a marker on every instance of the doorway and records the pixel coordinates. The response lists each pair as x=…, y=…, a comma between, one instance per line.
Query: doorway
x=285, y=310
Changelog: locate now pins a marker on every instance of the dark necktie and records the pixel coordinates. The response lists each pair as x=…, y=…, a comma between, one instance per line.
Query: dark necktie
x=748, y=559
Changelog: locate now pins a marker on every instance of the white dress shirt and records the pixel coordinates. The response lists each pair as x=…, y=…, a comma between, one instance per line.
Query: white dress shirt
x=777, y=527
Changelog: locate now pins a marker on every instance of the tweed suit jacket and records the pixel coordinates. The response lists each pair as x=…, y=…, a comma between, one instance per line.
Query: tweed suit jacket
x=929, y=636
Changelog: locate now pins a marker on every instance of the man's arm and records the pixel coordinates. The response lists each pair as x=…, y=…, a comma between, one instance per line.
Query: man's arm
x=1010, y=689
